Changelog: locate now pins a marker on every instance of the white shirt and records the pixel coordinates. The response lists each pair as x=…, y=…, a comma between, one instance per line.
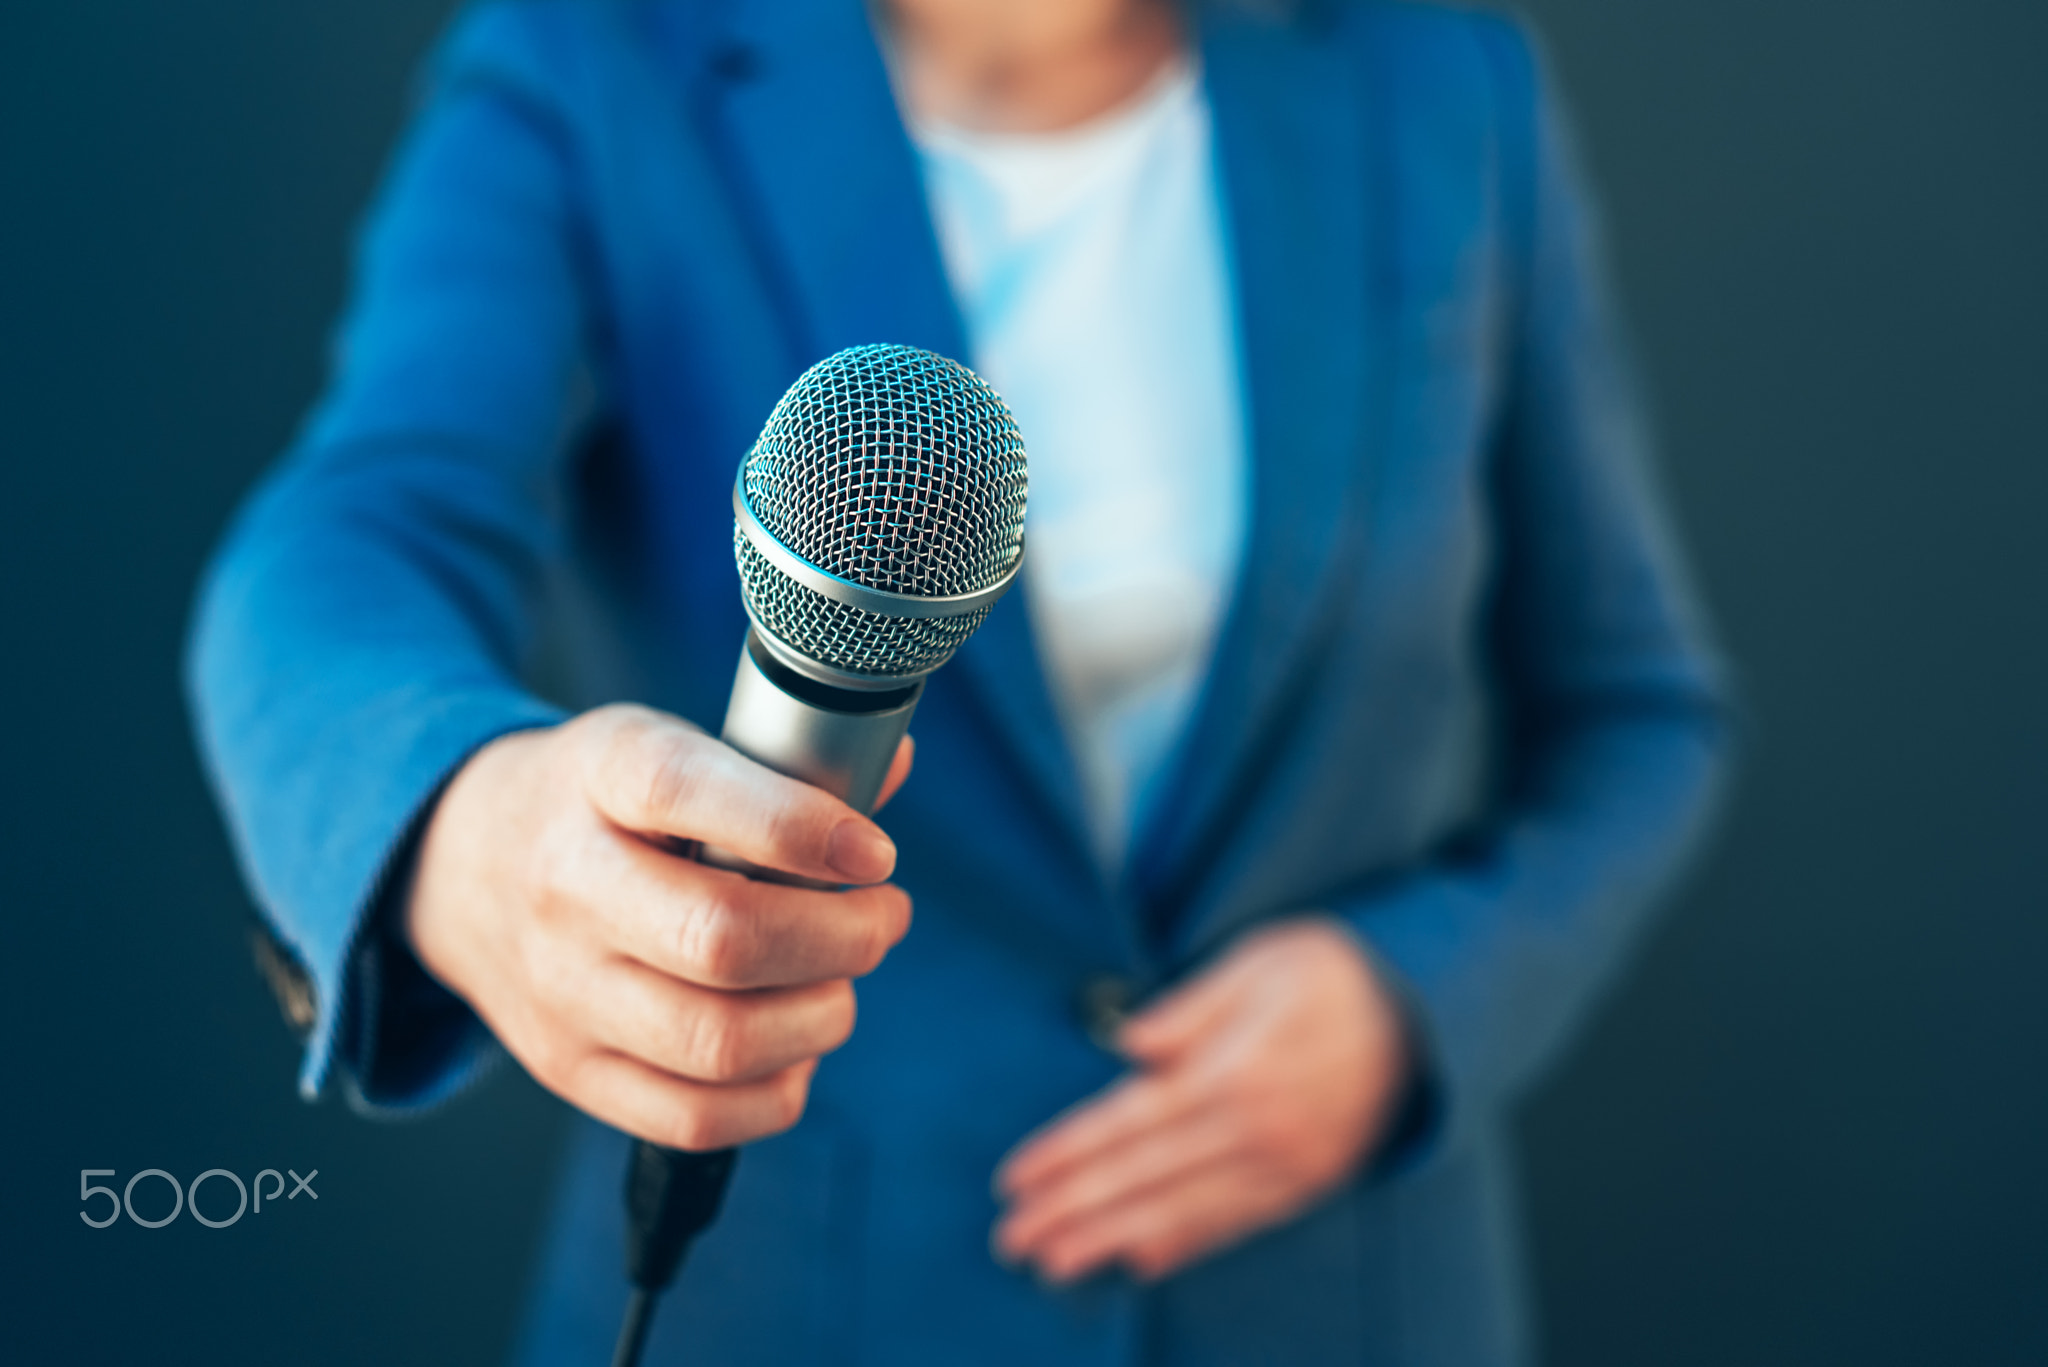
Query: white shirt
x=1091, y=268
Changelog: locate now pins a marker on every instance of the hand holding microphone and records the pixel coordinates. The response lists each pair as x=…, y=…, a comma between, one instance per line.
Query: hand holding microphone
x=877, y=518
x=678, y=1002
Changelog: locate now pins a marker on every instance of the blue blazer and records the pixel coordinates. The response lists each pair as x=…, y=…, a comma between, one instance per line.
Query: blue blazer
x=1461, y=699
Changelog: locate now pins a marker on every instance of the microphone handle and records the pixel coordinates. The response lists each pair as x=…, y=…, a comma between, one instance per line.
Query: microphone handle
x=842, y=740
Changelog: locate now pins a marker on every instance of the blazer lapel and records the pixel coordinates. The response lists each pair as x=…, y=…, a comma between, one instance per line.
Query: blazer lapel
x=820, y=154
x=825, y=169
x=1291, y=139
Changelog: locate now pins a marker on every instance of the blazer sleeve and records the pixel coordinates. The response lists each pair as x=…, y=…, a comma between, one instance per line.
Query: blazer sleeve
x=1612, y=703
x=361, y=630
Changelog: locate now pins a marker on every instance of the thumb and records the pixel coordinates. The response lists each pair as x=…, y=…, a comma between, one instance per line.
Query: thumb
x=1179, y=1021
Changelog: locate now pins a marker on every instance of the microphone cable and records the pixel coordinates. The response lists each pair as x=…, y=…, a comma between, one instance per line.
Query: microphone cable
x=672, y=1196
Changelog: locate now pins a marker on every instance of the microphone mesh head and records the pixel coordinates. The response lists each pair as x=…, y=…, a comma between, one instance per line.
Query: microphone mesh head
x=898, y=470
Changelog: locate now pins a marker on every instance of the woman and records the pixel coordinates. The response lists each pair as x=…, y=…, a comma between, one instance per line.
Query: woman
x=1263, y=848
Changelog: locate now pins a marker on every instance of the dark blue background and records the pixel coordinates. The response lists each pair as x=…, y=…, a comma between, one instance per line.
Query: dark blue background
x=1811, y=1129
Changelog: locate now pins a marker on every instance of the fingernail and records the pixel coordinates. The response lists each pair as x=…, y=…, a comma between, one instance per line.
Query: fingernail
x=860, y=853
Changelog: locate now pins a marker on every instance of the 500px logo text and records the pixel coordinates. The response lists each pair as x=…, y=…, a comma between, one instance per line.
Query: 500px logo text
x=182, y=1198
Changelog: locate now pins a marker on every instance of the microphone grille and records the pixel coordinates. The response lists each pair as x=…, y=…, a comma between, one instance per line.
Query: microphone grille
x=898, y=470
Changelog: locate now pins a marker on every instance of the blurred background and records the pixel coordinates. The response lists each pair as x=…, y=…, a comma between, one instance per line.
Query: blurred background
x=1812, y=1128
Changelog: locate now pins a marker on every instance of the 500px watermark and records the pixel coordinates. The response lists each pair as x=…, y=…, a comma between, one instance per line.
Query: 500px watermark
x=184, y=1198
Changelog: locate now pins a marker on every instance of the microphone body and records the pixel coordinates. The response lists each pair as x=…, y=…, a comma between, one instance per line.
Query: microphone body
x=875, y=522
x=840, y=739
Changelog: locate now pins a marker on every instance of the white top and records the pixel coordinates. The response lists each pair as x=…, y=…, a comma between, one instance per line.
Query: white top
x=1091, y=269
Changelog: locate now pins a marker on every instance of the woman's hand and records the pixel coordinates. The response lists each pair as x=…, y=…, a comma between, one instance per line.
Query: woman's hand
x=1261, y=1085
x=681, y=1003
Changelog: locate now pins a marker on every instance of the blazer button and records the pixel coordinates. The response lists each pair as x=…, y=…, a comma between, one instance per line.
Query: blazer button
x=1101, y=1006
x=288, y=980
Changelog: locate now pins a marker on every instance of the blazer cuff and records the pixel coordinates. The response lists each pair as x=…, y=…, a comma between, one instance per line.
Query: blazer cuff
x=400, y=1041
x=414, y=1042
x=1416, y=1130
x=1418, y=933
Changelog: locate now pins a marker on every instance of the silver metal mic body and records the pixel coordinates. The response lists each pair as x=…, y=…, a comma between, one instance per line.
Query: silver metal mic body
x=843, y=744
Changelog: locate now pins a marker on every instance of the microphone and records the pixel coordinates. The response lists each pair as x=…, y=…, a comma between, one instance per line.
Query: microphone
x=876, y=520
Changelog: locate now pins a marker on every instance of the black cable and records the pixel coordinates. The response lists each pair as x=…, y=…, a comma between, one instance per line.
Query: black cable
x=671, y=1197
x=633, y=1333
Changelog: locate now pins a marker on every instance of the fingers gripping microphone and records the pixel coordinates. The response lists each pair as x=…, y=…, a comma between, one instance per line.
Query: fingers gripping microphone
x=876, y=520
